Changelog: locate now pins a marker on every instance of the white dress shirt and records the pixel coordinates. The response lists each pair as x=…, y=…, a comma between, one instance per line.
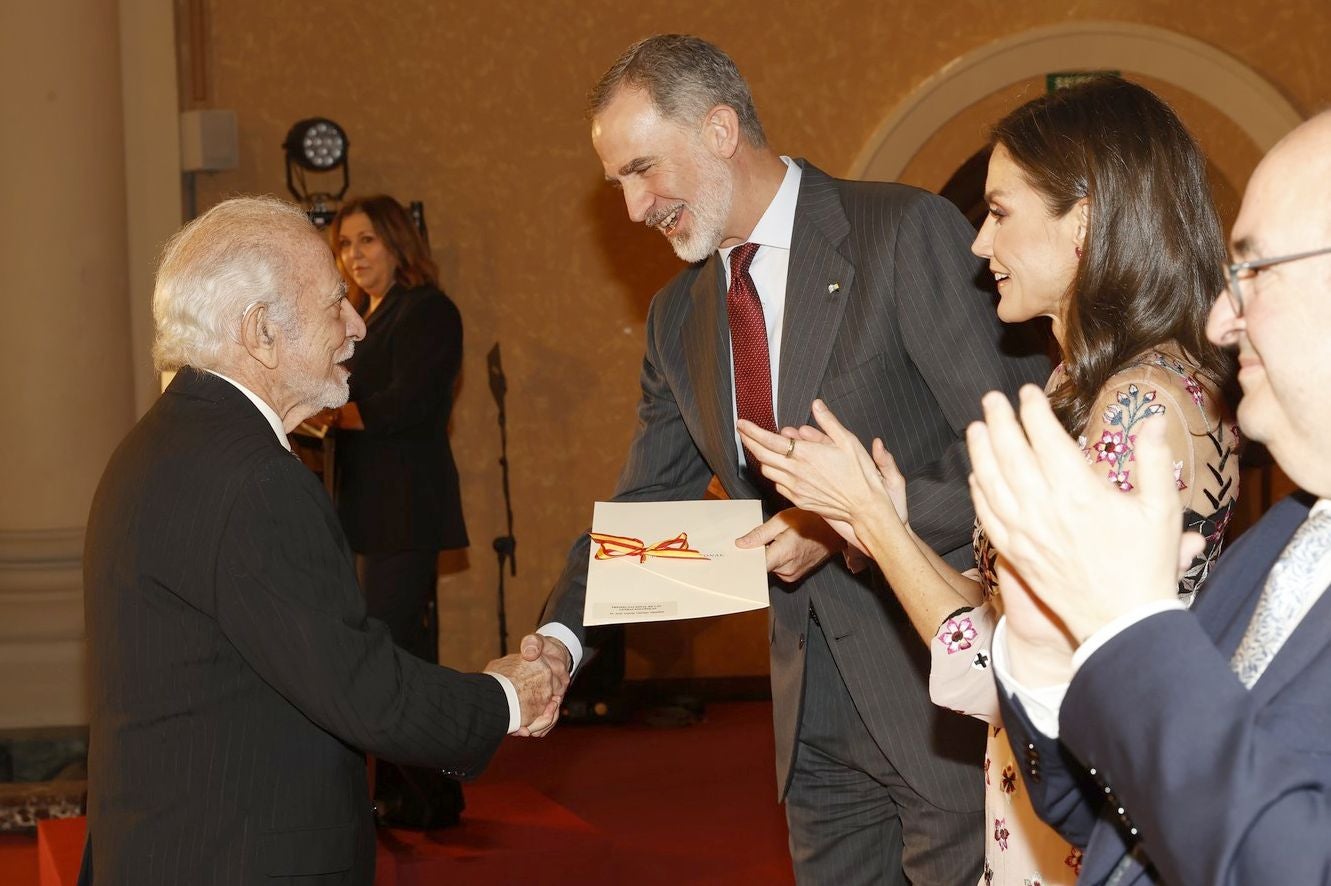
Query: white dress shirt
x=769, y=270
x=1043, y=703
x=510, y=693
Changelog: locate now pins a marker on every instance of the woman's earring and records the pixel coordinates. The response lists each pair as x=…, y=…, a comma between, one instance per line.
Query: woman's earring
x=1077, y=249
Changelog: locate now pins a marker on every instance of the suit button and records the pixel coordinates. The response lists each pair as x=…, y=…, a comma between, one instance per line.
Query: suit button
x=801, y=645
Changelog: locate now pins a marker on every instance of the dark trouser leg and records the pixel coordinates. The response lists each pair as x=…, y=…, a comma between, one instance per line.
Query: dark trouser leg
x=399, y=588
x=852, y=818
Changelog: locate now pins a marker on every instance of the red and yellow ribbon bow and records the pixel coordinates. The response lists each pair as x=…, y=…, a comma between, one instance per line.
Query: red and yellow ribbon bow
x=612, y=546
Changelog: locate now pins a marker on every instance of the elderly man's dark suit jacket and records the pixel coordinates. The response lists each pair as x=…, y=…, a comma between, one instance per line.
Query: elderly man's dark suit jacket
x=1217, y=784
x=886, y=321
x=235, y=681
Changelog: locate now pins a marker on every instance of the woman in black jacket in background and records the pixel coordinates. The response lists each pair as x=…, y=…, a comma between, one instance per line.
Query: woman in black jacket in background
x=397, y=484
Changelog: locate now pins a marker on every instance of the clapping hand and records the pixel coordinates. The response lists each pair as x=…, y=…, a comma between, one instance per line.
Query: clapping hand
x=1086, y=552
x=829, y=472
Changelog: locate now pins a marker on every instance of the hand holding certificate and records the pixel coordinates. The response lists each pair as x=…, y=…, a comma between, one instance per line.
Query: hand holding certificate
x=658, y=561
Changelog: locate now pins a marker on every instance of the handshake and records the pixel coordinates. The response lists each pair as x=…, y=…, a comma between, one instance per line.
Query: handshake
x=540, y=675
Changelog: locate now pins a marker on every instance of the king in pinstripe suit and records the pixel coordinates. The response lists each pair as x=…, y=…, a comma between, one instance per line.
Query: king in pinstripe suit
x=871, y=302
x=235, y=680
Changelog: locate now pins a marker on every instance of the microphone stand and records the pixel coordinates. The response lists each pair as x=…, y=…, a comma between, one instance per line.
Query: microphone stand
x=505, y=546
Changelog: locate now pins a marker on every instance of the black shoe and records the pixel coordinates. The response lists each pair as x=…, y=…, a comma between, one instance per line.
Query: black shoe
x=416, y=798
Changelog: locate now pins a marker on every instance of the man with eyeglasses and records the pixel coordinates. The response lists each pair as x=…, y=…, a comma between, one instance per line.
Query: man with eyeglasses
x=1207, y=733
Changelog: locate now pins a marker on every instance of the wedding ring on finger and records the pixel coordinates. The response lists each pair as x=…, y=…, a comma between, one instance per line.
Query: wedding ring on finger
x=791, y=450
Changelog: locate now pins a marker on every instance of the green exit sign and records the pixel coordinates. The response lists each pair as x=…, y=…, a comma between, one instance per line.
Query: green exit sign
x=1063, y=79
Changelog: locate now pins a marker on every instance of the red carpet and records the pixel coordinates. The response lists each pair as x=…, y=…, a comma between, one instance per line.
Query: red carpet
x=599, y=804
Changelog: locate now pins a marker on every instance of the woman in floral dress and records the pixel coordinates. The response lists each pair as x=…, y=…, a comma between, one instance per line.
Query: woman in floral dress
x=1100, y=218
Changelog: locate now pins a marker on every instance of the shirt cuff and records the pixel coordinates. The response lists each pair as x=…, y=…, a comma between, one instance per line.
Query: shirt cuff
x=1093, y=643
x=565, y=636
x=514, y=709
x=1041, y=703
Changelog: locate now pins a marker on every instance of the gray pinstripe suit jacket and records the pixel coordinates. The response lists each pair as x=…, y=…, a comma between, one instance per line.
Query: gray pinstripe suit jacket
x=235, y=680
x=903, y=349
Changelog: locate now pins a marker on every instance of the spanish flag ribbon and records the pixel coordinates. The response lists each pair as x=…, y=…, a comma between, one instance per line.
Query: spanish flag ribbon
x=612, y=546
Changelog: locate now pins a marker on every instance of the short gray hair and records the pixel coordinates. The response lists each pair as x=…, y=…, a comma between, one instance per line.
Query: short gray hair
x=241, y=252
x=685, y=78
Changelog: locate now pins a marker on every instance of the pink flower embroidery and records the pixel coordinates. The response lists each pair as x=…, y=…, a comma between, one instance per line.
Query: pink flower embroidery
x=957, y=634
x=1001, y=833
x=1074, y=860
x=1111, y=447
x=1120, y=479
x=1009, y=780
x=1195, y=389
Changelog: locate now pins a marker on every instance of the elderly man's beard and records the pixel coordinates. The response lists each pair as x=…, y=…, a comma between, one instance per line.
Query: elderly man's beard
x=708, y=211
x=318, y=384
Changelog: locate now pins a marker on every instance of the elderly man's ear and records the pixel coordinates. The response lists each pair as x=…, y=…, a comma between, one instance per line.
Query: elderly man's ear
x=259, y=337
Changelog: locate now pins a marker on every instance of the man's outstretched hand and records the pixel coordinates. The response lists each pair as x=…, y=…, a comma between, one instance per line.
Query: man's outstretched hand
x=554, y=655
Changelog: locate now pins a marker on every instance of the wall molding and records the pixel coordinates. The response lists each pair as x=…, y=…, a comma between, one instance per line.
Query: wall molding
x=41, y=628
x=51, y=548
x=41, y=585
x=1223, y=81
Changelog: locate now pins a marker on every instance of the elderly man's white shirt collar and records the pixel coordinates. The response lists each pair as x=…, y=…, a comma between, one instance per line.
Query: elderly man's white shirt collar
x=777, y=224
x=263, y=407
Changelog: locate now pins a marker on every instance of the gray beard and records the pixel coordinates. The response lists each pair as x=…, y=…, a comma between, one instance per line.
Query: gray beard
x=709, y=213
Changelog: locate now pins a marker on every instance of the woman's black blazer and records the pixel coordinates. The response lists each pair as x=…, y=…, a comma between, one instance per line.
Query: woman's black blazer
x=397, y=483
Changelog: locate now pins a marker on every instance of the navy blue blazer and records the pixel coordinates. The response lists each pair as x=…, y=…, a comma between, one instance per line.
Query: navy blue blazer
x=1185, y=776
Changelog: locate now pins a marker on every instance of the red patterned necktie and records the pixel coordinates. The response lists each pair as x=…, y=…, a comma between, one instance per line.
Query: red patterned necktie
x=748, y=345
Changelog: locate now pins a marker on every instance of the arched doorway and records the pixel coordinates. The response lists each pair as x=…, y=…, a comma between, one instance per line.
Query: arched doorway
x=1259, y=111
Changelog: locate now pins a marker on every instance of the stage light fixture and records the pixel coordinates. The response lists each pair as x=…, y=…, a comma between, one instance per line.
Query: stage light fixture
x=317, y=144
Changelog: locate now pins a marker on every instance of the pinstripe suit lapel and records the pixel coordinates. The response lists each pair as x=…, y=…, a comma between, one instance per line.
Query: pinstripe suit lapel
x=817, y=285
x=705, y=337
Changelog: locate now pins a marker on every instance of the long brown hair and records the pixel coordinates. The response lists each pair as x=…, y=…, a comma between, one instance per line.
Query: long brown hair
x=395, y=227
x=1153, y=256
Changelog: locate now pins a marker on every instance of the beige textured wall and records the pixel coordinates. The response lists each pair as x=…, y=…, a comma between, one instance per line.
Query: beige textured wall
x=477, y=110
x=65, y=368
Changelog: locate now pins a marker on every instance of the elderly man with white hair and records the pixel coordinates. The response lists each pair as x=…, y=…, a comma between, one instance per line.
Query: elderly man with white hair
x=235, y=680
x=1207, y=733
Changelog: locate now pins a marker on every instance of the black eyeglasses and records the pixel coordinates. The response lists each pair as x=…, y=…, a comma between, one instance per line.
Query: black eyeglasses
x=1241, y=275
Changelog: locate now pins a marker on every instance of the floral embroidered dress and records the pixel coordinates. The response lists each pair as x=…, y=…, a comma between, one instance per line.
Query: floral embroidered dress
x=1020, y=850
